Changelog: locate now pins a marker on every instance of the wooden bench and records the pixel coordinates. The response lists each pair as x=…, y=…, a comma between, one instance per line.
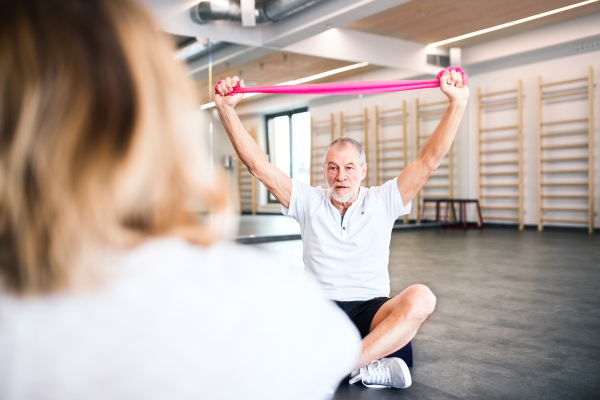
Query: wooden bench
x=462, y=220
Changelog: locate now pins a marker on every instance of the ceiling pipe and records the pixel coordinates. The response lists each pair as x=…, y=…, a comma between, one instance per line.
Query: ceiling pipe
x=266, y=11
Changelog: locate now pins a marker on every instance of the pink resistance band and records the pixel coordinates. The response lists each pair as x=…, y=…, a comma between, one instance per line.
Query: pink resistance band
x=367, y=87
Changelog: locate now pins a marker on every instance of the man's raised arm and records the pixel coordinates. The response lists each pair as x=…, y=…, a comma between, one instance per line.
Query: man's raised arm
x=278, y=183
x=415, y=175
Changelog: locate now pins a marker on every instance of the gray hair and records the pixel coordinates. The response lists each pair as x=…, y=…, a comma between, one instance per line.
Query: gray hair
x=344, y=141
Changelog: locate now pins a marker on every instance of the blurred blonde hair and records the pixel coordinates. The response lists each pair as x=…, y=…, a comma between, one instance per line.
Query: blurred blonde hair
x=98, y=144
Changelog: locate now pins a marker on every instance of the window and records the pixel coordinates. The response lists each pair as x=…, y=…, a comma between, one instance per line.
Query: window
x=288, y=136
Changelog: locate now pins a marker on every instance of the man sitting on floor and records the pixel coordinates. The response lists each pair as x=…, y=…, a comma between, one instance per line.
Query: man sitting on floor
x=346, y=230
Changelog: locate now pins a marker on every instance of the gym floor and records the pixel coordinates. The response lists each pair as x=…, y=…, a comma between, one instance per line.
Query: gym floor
x=517, y=316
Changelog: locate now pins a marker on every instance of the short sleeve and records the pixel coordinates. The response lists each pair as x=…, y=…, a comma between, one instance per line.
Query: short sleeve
x=388, y=196
x=299, y=200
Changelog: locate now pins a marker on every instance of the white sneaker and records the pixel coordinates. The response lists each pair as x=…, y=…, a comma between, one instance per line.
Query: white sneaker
x=384, y=373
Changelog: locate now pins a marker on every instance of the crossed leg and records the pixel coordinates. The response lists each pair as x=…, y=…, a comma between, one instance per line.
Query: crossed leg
x=396, y=323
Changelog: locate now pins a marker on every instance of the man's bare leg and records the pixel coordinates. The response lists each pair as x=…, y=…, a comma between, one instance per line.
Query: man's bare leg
x=396, y=323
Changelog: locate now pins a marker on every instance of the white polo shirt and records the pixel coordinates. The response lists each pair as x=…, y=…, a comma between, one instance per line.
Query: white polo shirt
x=349, y=256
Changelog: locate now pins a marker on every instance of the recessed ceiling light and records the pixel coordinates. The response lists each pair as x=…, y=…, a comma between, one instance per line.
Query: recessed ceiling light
x=302, y=80
x=520, y=21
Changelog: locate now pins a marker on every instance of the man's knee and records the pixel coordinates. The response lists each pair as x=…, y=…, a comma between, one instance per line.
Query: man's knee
x=422, y=301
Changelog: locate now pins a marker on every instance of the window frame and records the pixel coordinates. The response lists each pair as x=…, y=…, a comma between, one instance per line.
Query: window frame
x=268, y=117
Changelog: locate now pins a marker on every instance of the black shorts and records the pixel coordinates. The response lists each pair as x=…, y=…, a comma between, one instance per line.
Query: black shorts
x=362, y=312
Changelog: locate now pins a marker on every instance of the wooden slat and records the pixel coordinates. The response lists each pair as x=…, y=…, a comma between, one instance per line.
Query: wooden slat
x=566, y=209
x=568, y=133
x=561, y=184
x=500, y=128
x=501, y=139
x=391, y=110
x=564, y=82
x=390, y=140
x=391, y=159
x=353, y=124
x=499, y=151
x=566, y=146
x=497, y=185
x=566, y=171
x=431, y=113
x=565, y=221
x=498, y=93
x=565, y=196
x=501, y=104
x=439, y=103
x=499, y=196
x=566, y=94
x=391, y=119
x=508, y=162
x=564, y=159
x=564, y=121
x=486, y=217
x=508, y=208
x=500, y=173
x=392, y=148
x=391, y=168
x=435, y=186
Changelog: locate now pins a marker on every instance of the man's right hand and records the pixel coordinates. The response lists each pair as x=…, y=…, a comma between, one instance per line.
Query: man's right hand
x=225, y=86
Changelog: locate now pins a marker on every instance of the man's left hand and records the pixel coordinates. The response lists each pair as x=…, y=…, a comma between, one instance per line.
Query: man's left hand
x=451, y=84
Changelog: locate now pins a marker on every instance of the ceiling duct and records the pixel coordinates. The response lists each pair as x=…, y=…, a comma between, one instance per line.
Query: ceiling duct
x=230, y=10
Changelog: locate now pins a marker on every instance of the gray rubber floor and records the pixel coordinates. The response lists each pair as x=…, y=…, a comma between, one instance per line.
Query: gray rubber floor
x=517, y=317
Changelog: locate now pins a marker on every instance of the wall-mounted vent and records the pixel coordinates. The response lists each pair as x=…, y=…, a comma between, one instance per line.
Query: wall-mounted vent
x=439, y=60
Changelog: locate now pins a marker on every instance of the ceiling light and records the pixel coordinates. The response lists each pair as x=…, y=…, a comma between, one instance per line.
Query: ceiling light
x=520, y=21
x=302, y=80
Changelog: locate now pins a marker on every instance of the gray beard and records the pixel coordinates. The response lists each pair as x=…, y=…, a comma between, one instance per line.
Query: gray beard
x=341, y=198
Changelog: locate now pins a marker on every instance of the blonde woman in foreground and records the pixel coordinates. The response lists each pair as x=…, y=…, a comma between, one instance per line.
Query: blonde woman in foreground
x=109, y=285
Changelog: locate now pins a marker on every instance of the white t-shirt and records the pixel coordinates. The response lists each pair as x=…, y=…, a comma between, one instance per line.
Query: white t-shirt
x=349, y=256
x=176, y=321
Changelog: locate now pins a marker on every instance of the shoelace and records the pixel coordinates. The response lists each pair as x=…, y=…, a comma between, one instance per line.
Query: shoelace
x=378, y=374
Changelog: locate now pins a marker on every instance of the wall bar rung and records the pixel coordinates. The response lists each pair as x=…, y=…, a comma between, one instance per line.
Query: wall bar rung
x=566, y=209
x=392, y=149
x=563, y=82
x=500, y=151
x=564, y=121
x=501, y=104
x=500, y=173
x=502, y=139
x=390, y=140
x=565, y=196
x=509, y=162
x=570, y=133
x=499, y=185
x=499, y=93
x=561, y=184
x=565, y=159
x=566, y=94
x=500, y=208
x=499, y=128
x=566, y=171
x=566, y=221
x=500, y=218
x=566, y=146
